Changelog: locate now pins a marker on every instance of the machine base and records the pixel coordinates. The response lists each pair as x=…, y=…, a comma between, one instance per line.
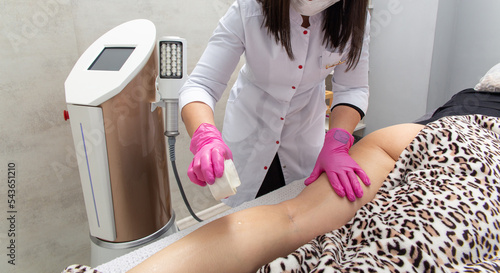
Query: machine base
x=102, y=251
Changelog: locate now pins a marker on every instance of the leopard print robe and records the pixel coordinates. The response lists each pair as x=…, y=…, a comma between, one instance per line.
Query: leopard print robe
x=437, y=211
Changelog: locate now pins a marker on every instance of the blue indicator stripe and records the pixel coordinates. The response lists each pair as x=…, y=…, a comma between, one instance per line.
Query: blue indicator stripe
x=90, y=176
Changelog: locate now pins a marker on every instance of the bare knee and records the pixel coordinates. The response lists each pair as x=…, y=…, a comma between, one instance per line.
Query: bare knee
x=290, y=211
x=300, y=220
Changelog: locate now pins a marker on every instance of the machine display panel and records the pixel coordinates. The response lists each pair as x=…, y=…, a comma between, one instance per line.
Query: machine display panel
x=111, y=58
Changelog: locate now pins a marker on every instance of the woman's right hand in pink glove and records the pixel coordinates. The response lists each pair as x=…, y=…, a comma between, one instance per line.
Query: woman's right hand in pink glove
x=209, y=151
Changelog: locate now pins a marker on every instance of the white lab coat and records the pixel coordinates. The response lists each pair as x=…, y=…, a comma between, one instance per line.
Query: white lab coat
x=277, y=105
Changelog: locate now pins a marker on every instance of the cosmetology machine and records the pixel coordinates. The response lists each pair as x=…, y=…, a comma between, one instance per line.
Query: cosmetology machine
x=119, y=139
x=122, y=100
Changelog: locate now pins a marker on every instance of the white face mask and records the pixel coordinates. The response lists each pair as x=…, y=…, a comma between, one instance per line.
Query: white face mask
x=311, y=7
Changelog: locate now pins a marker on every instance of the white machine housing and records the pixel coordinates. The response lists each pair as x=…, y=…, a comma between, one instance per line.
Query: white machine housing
x=93, y=87
x=118, y=138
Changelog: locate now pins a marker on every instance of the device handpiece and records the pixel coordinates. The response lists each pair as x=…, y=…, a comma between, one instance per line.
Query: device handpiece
x=226, y=185
x=172, y=75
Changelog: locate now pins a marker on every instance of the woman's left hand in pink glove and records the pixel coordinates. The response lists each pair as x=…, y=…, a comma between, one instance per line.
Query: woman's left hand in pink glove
x=341, y=169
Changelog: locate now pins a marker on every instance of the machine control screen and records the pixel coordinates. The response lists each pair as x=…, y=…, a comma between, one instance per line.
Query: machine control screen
x=111, y=58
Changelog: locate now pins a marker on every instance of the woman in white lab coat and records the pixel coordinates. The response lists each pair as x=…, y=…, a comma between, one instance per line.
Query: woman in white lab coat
x=274, y=126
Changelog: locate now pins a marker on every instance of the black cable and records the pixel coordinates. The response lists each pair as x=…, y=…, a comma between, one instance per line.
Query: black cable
x=171, y=148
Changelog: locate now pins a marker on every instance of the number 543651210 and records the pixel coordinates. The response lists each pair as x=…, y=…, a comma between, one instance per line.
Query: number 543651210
x=11, y=183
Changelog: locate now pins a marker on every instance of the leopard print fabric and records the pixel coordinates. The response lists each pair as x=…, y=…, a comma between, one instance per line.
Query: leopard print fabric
x=78, y=268
x=437, y=211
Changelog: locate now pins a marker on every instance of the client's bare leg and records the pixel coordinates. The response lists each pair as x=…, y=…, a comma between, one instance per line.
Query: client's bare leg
x=244, y=241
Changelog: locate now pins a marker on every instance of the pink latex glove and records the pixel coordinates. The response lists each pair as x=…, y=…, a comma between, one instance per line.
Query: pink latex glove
x=209, y=151
x=340, y=168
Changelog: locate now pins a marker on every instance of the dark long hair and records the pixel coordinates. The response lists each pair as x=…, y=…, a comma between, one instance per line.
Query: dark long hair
x=344, y=22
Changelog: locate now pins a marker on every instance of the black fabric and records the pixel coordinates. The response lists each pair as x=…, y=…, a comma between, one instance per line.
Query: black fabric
x=468, y=102
x=274, y=178
x=361, y=113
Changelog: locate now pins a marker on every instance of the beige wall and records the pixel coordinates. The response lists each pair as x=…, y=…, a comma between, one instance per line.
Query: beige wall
x=40, y=42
